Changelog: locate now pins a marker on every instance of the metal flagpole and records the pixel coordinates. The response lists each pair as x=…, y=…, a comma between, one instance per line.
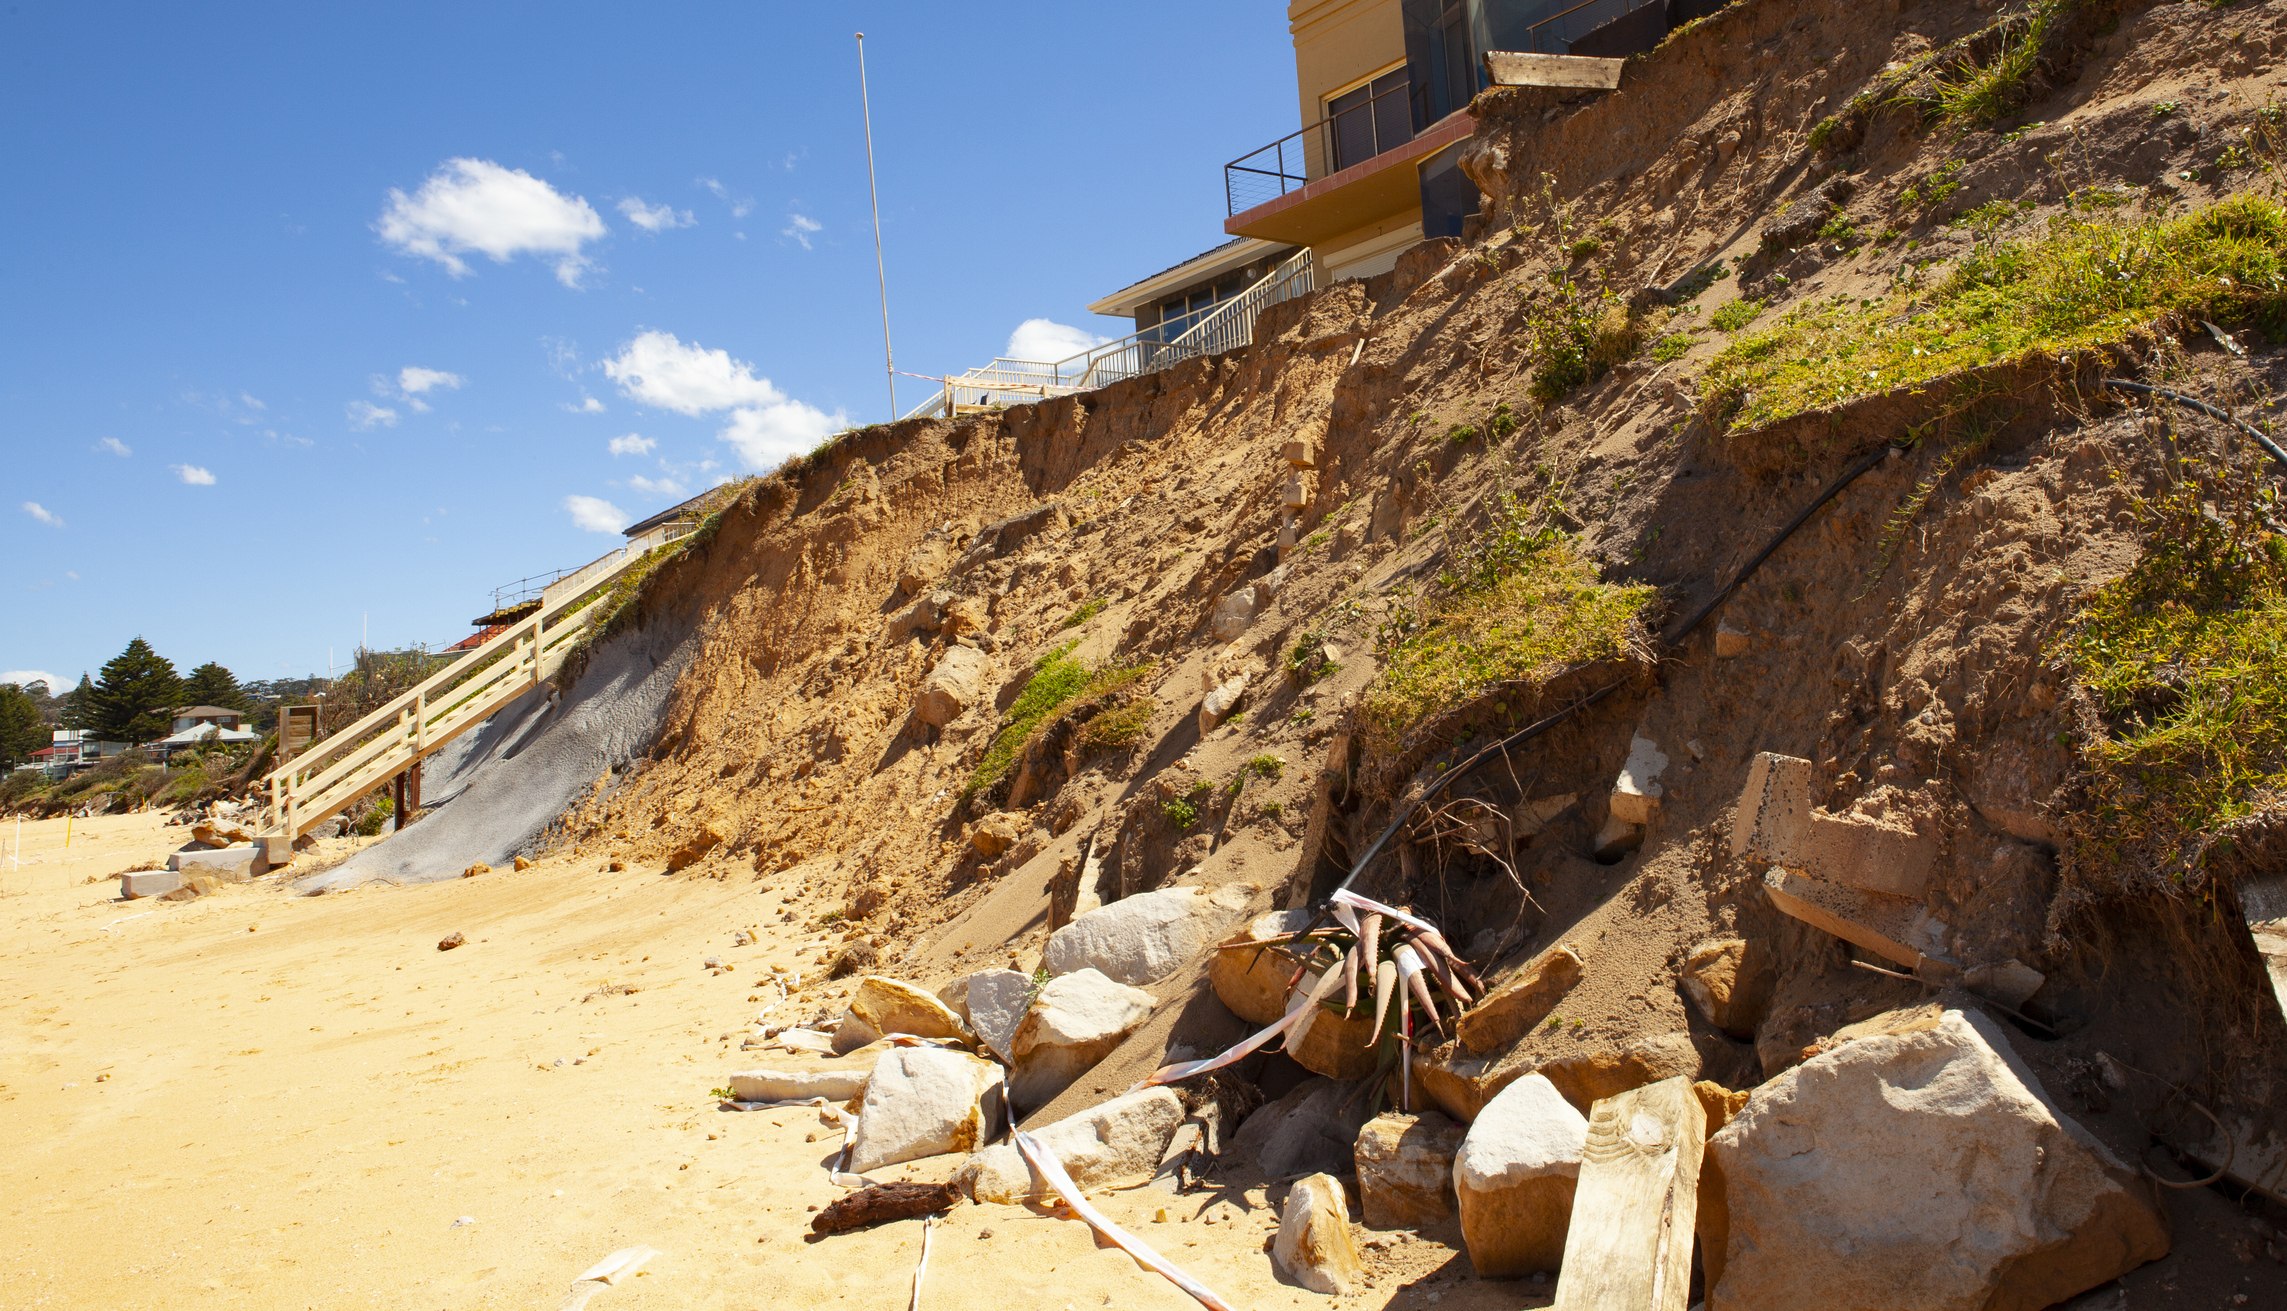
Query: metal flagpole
x=889, y=358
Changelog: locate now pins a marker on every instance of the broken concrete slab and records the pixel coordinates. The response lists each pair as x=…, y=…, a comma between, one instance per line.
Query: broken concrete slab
x=1074, y=1022
x=1514, y=1177
x=228, y=865
x=1777, y=822
x=1636, y=792
x=1119, y=1142
x=1405, y=1169
x=1893, y=927
x=1314, y=1247
x=1144, y=938
x=149, y=882
x=958, y=682
x=2012, y=1203
x=926, y=1101
x=1511, y=1010
x=1730, y=981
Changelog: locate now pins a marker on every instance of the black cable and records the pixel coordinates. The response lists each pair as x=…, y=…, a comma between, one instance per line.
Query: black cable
x=1682, y=631
x=2262, y=439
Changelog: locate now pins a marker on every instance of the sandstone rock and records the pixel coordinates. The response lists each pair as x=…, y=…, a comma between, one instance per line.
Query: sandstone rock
x=1405, y=1169
x=2010, y=982
x=870, y=897
x=996, y=1001
x=1730, y=643
x=922, y=614
x=926, y=1101
x=1140, y=939
x=1234, y=613
x=801, y=1076
x=1462, y=1085
x=957, y=683
x=1636, y=793
x=1926, y=1169
x=1251, y=982
x=1218, y=704
x=996, y=833
x=695, y=847
x=964, y=614
x=1730, y=980
x=1607, y=1071
x=1616, y=839
x=1074, y=1022
x=1314, y=1247
x=924, y=565
x=193, y=887
x=1118, y=1142
x=890, y=1006
x=522, y=863
x=1310, y=1130
x=478, y=868
x=221, y=832
x=1511, y=1010
x=229, y=865
x=1514, y=1177
x=452, y=940
x=149, y=882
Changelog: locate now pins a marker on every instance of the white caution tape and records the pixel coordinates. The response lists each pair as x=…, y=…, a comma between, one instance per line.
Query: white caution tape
x=1345, y=897
x=1052, y=1170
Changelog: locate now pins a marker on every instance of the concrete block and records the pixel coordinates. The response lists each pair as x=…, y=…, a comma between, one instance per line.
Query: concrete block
x=277, y=849
x=1778, y=823
x=149, y=882
x=1291, y=493
x=1888, y=926
x=1299, y=455
x=229, y=865
x=1636, y=793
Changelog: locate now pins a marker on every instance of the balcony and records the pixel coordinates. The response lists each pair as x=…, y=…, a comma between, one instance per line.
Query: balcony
x=1349, y=169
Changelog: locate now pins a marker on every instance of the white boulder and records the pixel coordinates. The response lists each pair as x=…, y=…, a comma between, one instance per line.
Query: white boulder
x=801, y=1077
x=1074, y=1022
x=1314, y=1247
x=1311, y=1130
x=1120, y=1141
x=1146, y=937
x=1515, y=1176
x=926, y=1101
x=1927, y=1169
x=957, y=683
x=996, y=1005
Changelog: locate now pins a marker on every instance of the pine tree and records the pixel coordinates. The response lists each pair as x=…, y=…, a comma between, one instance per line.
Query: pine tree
x=78, y=705
x=212, y=685
x=136, y=698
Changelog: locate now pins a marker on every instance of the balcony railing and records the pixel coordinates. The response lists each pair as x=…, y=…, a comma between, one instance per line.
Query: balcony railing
x=1333, y=143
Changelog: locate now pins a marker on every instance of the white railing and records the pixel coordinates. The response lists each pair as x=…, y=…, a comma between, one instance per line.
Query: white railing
x=1227, y=327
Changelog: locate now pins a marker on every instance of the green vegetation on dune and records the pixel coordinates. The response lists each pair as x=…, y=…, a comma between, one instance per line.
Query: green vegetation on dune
x=1520, y=605
x=2186, y=655
x=1058, y=682
x=2088, y=282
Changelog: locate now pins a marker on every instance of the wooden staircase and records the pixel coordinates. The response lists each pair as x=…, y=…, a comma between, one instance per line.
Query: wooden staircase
x=321, y=782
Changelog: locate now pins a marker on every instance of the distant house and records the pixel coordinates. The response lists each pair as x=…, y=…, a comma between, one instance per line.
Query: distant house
x=72, y=749
x=197, y=724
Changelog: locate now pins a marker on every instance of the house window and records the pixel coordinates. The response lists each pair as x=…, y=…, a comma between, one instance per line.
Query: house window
x=1441, y=57
x=1368, y=119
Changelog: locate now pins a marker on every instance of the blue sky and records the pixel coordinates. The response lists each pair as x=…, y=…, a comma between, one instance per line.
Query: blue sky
x=320, y=318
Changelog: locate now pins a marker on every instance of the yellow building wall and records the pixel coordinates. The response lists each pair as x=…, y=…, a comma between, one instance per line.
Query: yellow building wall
x=1339, y=42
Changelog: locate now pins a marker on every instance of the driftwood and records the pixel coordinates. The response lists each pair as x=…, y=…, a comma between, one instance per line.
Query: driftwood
x=881, y=1203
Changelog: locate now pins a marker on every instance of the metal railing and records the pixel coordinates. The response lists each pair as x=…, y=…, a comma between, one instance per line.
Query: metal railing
x=1227, y=326
x=1555, y=34
x=1307, y=154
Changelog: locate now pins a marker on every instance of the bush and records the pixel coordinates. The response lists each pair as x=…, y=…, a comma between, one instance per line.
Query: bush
x=1058, y=681
x=1736, y=315
x=1578, y=335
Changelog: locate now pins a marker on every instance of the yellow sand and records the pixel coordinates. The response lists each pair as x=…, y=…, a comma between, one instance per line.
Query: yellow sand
x=276, y=1101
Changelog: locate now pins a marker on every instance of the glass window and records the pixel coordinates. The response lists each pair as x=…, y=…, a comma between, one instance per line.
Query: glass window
x=1368, y=119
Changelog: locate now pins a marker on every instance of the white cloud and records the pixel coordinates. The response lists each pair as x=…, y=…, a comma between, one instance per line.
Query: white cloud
x=251, y=403
x=632, y=444
x=667, y=486
x=800, y=229
x=654, y=218
x=116, y=447
x=765, y=435
x=43, y=514
x=414, y=382
x=27, y=677
x=595, y=514
x=739, y=208
x=587, y=405
x=476, y=205
x=193, y=475
x=365, y=416
x=1045, y=339
x=657, y=369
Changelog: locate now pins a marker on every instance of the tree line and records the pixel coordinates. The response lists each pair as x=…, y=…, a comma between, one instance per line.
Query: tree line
x=133, y=700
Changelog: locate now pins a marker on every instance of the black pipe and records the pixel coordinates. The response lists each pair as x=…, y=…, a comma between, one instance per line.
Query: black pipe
x=2262, y=439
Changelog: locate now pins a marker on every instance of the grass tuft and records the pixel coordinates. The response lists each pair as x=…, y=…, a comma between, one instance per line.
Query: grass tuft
x=2089, y=281
x=1058, y=681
